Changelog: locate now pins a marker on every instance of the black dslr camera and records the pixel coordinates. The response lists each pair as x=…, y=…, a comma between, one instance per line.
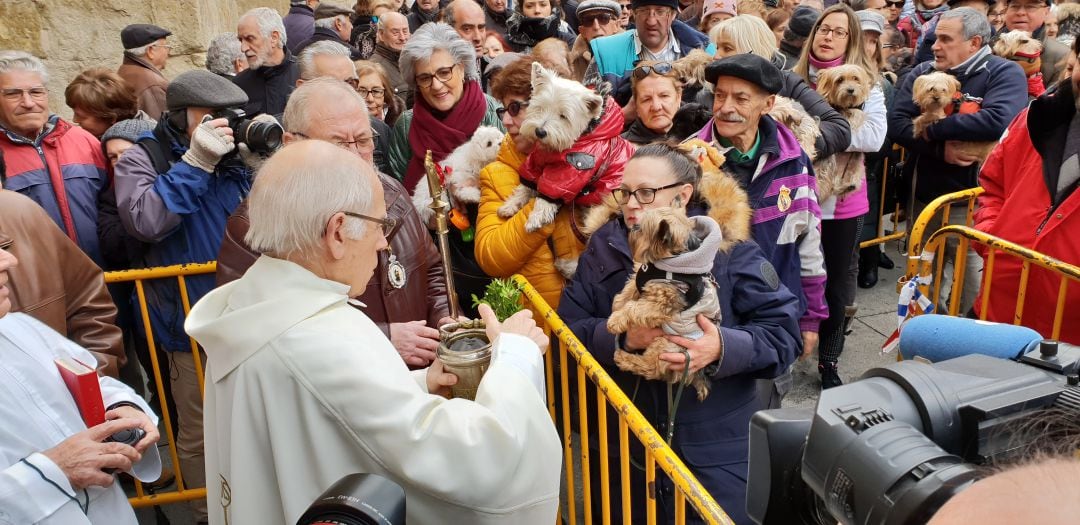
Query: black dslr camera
x=894, y=446
x=358, y=499
x=263, y=138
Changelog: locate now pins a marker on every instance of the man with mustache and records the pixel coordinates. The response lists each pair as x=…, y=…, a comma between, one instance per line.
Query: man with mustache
x=272, y=70
x=776, y=173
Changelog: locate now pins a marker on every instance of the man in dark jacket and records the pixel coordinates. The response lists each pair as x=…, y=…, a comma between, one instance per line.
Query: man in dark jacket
x=174, y=190
x=796, y=34
x=422, y=12
x=496, y=14
x=272, y=70
x=935, y=162
x=406, y=297
x=299, y=22
x=145, y=56
x=331, y=23
x=392, y=34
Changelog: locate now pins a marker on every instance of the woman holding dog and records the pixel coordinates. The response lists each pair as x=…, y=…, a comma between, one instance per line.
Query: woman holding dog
x=503, y=247
x=836, y=39
x=757, y=335
x=441, y=70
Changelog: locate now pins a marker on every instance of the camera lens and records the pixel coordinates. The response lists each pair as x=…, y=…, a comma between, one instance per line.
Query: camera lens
x=260, y=137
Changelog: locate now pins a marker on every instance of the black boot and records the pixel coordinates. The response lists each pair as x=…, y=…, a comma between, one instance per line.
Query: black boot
x=885, y=262
x=868, y=266
x=830, y=376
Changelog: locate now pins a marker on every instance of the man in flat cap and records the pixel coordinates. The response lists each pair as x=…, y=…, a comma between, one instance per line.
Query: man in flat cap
x=331, y=23
x=174, y=189
x=761, y=155
x=145, y=55
x=596, y=18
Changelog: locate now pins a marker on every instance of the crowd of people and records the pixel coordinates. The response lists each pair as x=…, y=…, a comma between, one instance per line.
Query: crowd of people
x=775, y=119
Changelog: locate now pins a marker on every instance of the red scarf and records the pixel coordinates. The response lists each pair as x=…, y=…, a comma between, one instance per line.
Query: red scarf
x=442, y=135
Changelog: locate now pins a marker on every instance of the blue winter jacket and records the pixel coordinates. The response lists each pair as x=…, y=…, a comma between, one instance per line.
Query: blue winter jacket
x=761, y=339
x=1001, y=85
x=182, y=214
x=615, y=57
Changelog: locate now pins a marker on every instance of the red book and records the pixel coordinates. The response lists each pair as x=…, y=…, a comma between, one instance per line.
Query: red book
x=82, y=382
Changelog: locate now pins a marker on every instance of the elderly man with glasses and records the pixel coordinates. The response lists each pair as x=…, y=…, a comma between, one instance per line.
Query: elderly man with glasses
x=406, y=297
x=1030, y=16
x=145, y=55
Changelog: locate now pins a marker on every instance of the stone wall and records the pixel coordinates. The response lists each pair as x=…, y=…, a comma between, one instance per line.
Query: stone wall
x=73, y=35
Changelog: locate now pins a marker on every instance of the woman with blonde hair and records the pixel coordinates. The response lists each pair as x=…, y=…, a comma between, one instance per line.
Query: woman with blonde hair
x=836, y=39
x=749, y=34
x=374, y=85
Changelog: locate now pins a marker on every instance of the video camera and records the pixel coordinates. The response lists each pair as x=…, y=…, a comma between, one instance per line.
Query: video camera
x=261, y=137
x=894, y=446
x=358, y=499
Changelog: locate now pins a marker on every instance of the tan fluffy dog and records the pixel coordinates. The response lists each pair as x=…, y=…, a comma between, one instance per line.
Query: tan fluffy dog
x=846, y=88
x=1021, y=48
x=795, y=118
x=933, y=93
x=662, y=234
x=690, y=69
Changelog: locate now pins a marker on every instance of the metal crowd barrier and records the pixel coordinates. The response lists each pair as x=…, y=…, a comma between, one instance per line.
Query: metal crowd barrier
x=937, y=208
x=994, y=246
x=182, y=493
x=631, y=421
x=895, y=232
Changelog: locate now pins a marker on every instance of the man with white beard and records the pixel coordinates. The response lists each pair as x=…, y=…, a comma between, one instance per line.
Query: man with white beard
x=272, y=70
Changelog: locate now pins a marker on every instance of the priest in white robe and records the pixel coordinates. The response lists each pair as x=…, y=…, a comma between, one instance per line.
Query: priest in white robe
x=302, y=388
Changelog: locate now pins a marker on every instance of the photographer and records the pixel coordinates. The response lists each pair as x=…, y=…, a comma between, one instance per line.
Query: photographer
x=174, y=190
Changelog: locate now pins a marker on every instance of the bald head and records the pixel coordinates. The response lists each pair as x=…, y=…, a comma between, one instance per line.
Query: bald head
x=1044, y=492
x=467, y=18
x=393, y=30
x=330, y=110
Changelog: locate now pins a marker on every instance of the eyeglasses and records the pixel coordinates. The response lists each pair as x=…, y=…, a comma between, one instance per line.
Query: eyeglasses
x=387, y=225
x=660, y=68
x=836, y=31
x=360, y=144
x=16, y=94
x=166, y=46
x=651, y=12
x=1024, y=7
x=444, y=74
x=377, y=92
x=514, y=108
x=643, y=195
x=894, y=4
x=589, y=20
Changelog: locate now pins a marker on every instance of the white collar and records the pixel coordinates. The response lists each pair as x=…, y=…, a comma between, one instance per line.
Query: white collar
x=673, y=44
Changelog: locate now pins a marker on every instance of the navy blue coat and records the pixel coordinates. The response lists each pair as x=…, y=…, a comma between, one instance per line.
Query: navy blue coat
x=761, y=339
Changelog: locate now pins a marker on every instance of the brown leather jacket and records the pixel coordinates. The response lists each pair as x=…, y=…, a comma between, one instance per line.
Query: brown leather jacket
x=56, y=283
x=422, y=298
x=146, y=82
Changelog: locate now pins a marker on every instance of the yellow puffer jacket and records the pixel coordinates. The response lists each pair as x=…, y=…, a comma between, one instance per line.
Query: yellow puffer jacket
x=503, y=248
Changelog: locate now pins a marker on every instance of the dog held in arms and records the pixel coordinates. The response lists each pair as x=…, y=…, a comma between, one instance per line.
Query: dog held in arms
x=463, y=167
x=938, y=95
x=673, y=283
x=846, y=88
x=579, y=155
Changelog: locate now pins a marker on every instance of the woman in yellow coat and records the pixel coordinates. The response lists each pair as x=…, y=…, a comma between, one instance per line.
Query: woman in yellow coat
x=503, y=247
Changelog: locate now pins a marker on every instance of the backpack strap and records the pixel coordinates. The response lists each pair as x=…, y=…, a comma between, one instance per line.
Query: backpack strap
x=156, y=147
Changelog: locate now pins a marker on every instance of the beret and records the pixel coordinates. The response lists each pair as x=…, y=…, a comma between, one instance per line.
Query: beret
x=138, y=35
x=802, y=21
x=203, y=89
x=748, y=67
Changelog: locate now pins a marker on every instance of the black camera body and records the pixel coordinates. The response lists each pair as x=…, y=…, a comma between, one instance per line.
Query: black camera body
x=260, y=137
x=894, y=446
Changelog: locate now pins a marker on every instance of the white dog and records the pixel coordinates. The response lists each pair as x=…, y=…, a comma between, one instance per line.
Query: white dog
x=464, y=163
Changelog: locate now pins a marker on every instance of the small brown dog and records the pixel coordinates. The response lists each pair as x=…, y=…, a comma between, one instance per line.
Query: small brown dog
x=1021, y=48
x=795, y=118
x=846, y=88
x=937, y=94
x=690, y=69
x=661, y=294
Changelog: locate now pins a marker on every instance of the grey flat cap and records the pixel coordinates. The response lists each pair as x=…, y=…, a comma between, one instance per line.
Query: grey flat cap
x=326, y=10
x=203, y=89
x=871, y=21
x=599, y=5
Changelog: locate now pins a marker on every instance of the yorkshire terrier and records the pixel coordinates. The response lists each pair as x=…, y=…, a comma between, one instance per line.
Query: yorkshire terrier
x=794, y=117
x=1018, y=46
x=846, y=88
x=938, y=94
x=659, y=295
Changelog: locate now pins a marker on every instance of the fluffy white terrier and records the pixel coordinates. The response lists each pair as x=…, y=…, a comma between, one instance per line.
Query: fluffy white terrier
x=464, y=163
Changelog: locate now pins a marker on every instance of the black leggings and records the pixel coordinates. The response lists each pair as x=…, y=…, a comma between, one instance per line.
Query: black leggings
x=839, y=243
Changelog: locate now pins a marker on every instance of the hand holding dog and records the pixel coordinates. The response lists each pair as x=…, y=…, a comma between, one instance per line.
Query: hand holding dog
x=704, y=350
x=639, y=337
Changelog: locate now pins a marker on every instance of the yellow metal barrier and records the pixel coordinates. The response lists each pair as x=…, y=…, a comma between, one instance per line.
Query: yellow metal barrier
x=939, y=207
x=995, y=245
x=657, y=452
x=178, y=272
x=896, y=233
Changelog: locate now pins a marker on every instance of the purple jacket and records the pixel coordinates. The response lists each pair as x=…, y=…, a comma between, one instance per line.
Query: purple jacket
x=787, y=219
x=299, y=26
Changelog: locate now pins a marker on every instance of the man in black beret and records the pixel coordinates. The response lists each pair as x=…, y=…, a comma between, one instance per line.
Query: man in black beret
x=769, y=164
x=145, y=55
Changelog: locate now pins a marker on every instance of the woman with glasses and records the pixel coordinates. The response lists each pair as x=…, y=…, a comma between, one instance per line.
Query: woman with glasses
x=836, y=39
x=534, y=21
x=374, y=85
x=757, y=335
x=749, y=34
x=441, y=69
x=657, y=95
x=503, y=247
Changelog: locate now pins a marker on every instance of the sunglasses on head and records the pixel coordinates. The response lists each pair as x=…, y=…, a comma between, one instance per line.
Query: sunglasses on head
x=514, y=108
x=660, y=68
x=603, y=18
